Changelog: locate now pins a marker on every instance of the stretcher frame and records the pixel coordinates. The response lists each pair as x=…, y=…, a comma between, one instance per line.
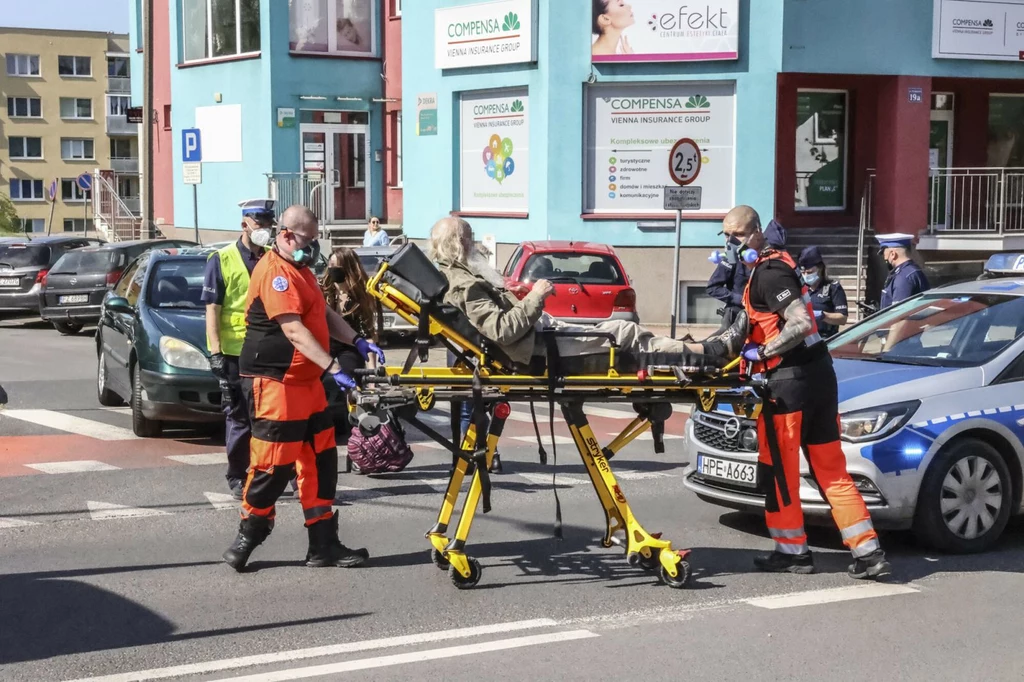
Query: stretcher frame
x=386, y=391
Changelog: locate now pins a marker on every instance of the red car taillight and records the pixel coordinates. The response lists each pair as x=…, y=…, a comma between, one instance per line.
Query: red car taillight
x=625, y=301
x=41, y=277
x=113, y=276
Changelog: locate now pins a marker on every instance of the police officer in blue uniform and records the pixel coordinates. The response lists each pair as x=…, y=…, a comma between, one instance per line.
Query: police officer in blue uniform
x=827, y=296
x=729, y=279
x=906, y=278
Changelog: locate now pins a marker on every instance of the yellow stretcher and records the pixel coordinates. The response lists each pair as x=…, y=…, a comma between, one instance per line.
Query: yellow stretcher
x=408, y=284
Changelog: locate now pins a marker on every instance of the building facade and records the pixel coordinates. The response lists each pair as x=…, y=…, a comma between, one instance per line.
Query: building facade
x=299, y=101
x=565, y=120
x=65, y=100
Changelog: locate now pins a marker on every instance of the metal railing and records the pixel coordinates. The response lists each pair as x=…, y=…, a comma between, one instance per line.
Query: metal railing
x=117, y=124
x=308, y=189
x=976, y=200
x=119, y=84
x=112, y=215
x=124, y=165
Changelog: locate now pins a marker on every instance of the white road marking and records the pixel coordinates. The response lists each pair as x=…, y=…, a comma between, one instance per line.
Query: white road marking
x=348, y=493
x=415, y=657
x=317, y=652
x=648, y=436
x=7, y=522
x=117, y=410
x=546, y=439
x=200, y=460
x=71, y=424
x=426, y=445
x=222, y=500
x=641, y=475
x=102, y=511
x=562, y=479
x=837, y=594
x=73, y=467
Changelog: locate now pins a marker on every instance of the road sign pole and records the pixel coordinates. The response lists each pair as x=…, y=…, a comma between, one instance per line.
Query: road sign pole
x=675, y=272
x=195, y=212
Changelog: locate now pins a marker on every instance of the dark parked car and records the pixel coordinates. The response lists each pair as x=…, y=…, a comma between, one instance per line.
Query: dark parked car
x=151, y=341
x=390, y=324
x=24, y=265
x=76, y=284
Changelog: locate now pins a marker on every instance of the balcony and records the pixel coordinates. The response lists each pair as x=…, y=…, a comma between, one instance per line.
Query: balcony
x=119, y=125
x=119, y=84
x=133, y=204
x=124, y=165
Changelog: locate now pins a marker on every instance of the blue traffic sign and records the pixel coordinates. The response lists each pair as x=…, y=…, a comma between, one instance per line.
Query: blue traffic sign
x=84, y=182
x=191, y=145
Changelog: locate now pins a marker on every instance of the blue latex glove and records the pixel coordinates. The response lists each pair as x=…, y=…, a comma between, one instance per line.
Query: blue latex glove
x=818, y=314
x=366, y=347
x=344, y=381
x=750, y=352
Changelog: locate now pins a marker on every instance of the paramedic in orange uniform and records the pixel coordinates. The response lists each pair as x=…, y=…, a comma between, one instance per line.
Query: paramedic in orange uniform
x=283, y=359
x=801, y=410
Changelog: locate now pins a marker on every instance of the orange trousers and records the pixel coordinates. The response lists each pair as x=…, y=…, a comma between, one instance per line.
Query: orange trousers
x=292, y=436
x=804, y=411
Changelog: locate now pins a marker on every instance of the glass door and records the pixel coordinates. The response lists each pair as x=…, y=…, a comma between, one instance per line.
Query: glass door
x=350, y=197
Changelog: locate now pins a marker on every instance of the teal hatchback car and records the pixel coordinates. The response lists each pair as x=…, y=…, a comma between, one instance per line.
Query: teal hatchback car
x=151, y=340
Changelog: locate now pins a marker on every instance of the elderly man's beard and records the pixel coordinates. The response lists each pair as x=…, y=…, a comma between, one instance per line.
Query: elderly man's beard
x=477, y=262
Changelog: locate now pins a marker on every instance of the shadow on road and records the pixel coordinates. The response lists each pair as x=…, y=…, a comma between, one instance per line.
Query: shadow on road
x=51, y=614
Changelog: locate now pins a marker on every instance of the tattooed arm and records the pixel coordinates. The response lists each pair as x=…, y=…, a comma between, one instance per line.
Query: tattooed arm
x=798, y=323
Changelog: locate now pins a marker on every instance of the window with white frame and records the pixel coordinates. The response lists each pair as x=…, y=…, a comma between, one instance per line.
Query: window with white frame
x=30, y=225
x=74, y=224
x=74, y=66
x=821, y=134
x=75, y=107
x=219, y=28
x=398, y=8
x=698, y=307
x=121, y=148
x=344, y=27
x=24, y=107
x=117, y=105
x=26, y=147
x=75, y=149
x=26, y=190
x=118, y=67
x=70, y=191
x=398, y=148
x=22, y=65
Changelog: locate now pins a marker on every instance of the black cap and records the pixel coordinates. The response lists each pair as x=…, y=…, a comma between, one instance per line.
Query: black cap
x=810, y=257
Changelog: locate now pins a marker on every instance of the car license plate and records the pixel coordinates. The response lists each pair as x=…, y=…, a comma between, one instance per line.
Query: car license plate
x=74, y=298
x=742, y=473
x=10, y=281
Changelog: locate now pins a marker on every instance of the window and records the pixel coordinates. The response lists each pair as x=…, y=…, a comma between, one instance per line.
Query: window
x=117, y=105
x=30, y=225
x=26, y=147
x=582, y=268
x=22, y=65
x=345, y=27
x=821, y=132
x=121, y=148
x=70, y=191
x=27, y=190
x=220, y=28
x=397, y=141
x=75, y=107
x=74, y=66
x=167, y=117
x=76, y=149
x=698, y=307
x=74, y=225
x=118, y=67
x=398, y=8
x=24, y=107
x=1006, y=131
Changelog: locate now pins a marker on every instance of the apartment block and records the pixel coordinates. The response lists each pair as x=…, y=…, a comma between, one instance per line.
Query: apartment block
x=64, y=100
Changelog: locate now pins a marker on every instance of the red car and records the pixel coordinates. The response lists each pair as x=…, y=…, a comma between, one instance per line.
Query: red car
x=590, y=283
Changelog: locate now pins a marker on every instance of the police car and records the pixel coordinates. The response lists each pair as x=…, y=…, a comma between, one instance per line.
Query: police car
x=931, y=395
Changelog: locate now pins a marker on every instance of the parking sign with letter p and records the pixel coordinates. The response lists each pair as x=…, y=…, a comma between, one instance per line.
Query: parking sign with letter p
x=191, y=145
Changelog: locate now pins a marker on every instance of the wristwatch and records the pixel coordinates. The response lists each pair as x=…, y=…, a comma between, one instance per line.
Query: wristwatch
x=760, y=353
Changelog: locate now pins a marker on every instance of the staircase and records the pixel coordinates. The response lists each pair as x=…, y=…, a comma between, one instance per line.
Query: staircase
x=351, y=236
x=838, y=247
x=112, y=217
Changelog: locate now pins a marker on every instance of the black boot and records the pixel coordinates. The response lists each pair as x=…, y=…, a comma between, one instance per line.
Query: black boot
x=252, y=531
x=729, y=343
x=325, y=549
x=777, y=562
x=871, y=566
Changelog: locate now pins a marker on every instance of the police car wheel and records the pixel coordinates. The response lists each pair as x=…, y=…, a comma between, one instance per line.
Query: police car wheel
x=142, y=426
x=965, y=498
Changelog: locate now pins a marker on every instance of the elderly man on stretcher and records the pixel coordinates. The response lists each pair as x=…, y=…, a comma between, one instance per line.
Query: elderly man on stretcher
x=478, y=291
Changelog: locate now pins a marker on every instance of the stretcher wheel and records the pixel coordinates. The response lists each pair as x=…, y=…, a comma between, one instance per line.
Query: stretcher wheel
x=683, y=569
x=438, y=560
x=475, y=571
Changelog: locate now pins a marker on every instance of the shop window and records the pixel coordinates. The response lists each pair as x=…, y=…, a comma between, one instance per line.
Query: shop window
x=342, y=27
x=821, y=137
x=24, y=107
x=698, y=307
x=26, y=190
x=630, y=130
x=1006, y=131
x=74, y=66
x=75, y=107
x=76, y=150
x=70, y=191
x=22, y=65
x=220, y=28
x=26, y=147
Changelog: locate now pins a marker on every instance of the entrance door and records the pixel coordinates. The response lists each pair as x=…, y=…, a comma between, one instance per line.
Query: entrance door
x=940, y=157
x=341, y=152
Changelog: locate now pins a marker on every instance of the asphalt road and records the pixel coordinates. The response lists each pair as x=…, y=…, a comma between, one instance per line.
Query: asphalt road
x=110, y=567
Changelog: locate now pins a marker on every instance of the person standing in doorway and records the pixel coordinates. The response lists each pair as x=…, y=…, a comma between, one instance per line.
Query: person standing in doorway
x=375, y=234
x=225, y=286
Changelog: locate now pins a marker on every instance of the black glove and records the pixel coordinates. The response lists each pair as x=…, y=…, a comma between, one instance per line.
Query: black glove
x=217, y=366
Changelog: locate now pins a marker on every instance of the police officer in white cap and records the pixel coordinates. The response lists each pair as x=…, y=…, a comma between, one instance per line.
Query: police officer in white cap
x=225, y=288
x=906, y=278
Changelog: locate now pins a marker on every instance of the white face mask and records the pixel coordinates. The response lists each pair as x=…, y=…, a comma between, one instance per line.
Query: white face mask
x=260, y=236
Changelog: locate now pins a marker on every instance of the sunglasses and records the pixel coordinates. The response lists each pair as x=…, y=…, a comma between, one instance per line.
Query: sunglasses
x=305, y=239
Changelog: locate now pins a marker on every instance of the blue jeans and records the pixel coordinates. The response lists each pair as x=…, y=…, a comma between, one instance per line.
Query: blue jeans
x=466, y=416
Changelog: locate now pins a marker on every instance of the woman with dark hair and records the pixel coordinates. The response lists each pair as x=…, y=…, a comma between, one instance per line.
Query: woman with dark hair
x=827, y=296
x=610, y=18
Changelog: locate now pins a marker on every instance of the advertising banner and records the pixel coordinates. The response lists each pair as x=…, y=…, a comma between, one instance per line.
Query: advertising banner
x=631, y=130
x=664, y=30
x=494, y=139
x=426, y=114
x=978, y=29
x=500, y=32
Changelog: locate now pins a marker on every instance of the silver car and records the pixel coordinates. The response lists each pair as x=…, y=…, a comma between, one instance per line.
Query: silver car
x=392, y=325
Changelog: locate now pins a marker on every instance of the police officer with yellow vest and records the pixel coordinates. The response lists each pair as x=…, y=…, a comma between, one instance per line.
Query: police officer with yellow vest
x=225, y=287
